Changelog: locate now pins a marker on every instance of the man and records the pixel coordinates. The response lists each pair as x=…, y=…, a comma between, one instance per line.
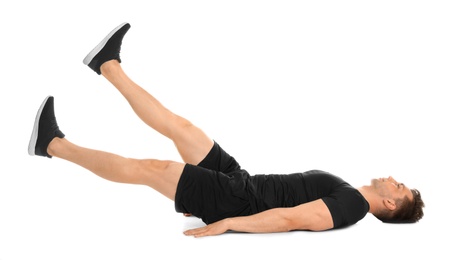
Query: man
x=210, y=184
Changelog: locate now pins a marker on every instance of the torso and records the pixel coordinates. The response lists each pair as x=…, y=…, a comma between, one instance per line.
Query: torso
x=346, y=204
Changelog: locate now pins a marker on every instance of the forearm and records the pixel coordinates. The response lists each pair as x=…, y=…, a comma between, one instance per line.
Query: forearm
x=273, y=220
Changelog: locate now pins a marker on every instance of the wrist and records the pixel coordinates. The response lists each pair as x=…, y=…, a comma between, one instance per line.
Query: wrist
x=228, y=222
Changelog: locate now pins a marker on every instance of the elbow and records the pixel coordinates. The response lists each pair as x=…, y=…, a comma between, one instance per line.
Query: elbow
x=318, y=225
x=292, y=225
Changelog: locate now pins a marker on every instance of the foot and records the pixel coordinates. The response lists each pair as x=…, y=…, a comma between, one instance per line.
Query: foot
x=45, y=129
x=107, y=49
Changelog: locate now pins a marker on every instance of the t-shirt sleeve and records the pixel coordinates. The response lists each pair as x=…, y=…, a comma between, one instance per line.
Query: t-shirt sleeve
x=346, y=206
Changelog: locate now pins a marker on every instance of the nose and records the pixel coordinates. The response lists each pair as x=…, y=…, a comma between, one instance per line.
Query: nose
x=392, y=179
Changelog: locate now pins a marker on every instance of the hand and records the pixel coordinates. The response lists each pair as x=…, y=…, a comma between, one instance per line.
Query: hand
x=213, y=229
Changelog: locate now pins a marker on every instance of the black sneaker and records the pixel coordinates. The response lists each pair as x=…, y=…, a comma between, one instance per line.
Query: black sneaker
x=107, y=49
x=44, y=130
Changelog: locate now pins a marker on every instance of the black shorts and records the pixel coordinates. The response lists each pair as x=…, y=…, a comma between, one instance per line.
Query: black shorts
x=214, y=189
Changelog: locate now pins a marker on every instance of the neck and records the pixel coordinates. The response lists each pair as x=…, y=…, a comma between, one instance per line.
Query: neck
x=372, y=198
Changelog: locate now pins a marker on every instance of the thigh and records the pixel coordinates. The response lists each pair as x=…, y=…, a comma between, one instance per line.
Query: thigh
x=191, y=142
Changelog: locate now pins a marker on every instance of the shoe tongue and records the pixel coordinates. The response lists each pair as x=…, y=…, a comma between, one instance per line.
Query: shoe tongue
x=59, y=134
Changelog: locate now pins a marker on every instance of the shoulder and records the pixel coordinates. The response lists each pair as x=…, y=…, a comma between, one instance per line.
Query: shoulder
x=347, y=206
x=345, y=203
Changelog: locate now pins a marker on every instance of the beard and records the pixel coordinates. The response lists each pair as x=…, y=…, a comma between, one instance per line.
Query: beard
x=377, y=185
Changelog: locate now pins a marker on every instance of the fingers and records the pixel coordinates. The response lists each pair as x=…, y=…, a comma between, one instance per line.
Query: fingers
x=213, y=229
x=210, y=230
x=197, y=232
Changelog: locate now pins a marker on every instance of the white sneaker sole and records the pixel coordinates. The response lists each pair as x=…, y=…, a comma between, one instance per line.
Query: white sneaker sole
x=34, y=134
x=100, y=46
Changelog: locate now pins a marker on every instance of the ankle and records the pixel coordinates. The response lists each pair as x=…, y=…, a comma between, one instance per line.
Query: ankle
x=109, y=67
x=54, y=146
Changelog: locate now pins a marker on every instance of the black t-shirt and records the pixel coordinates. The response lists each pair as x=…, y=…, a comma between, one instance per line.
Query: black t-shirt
x=346, y=204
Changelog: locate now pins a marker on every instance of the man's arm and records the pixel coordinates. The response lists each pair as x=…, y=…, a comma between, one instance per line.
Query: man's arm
x=313, y=216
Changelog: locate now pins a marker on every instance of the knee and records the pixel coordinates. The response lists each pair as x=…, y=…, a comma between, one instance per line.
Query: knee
x=162, y=176
x=155, y=165
x=178, y=122
x=139, y=171
x=152, y=168
x=179, y=127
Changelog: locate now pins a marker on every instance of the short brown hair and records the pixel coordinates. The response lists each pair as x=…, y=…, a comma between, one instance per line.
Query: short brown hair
x=408, y=211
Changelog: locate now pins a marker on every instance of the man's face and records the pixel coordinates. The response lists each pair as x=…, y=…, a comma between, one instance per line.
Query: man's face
x=390, y=188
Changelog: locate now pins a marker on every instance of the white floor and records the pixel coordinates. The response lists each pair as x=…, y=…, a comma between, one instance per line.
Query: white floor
x=356, y=89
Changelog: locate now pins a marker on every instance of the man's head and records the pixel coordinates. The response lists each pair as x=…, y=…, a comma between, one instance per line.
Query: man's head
x=400, y=203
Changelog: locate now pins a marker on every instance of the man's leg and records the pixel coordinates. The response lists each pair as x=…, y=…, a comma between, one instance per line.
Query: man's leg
x=163, y=176
x=47, y=140
x=192, y=143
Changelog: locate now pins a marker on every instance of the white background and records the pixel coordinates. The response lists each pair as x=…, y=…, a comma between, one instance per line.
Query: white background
x=356, y=88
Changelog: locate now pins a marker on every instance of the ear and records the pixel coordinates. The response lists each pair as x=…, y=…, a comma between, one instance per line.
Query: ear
x=389, y=204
